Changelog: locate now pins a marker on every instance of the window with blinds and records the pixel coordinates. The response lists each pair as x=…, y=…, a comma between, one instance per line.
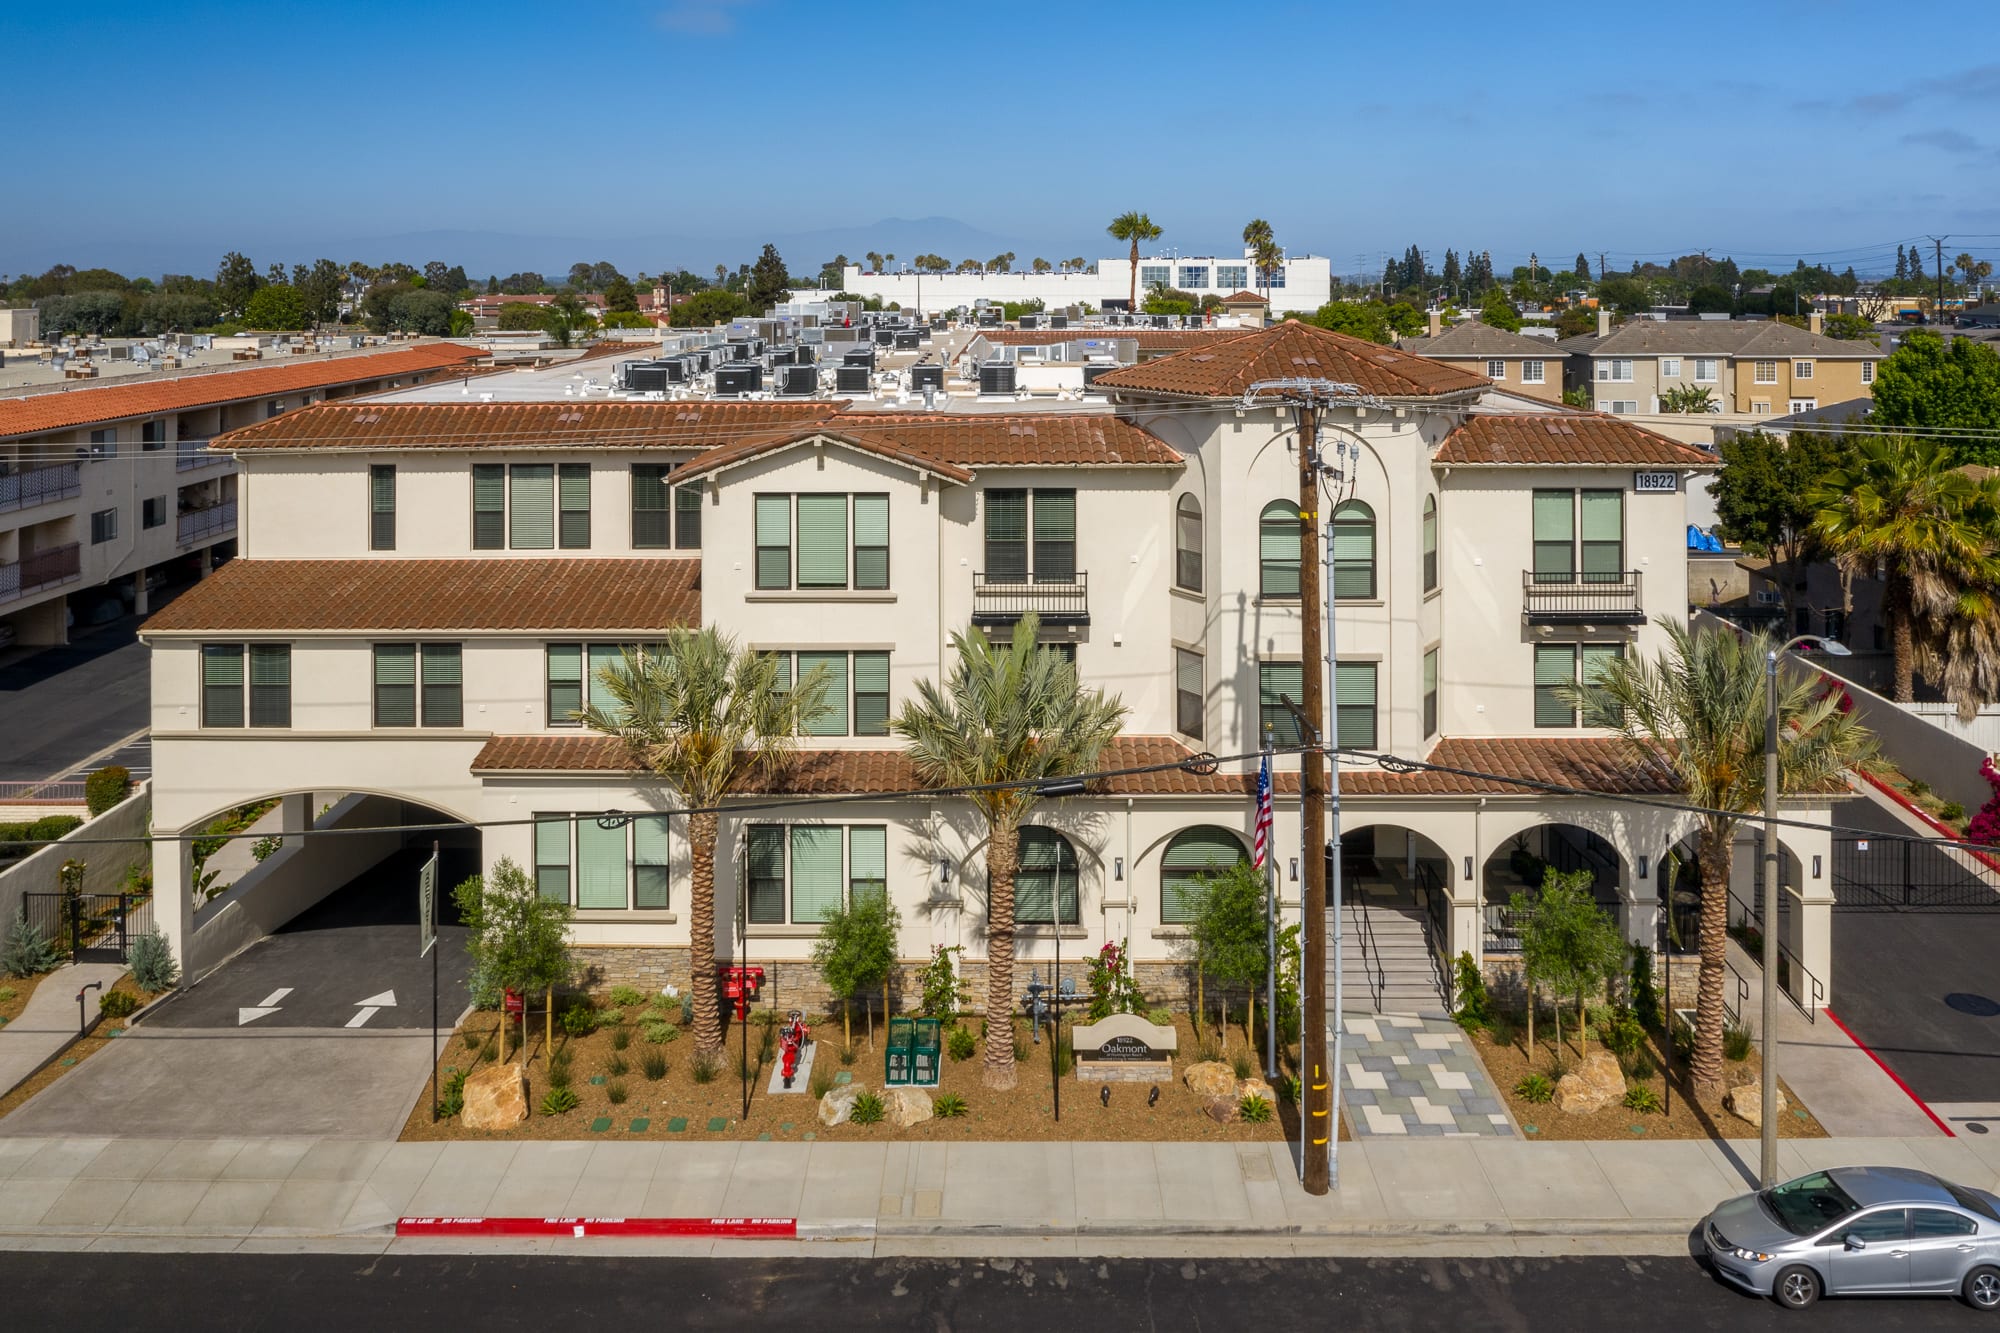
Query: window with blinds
x=532, y=516
x=443, y=684
x=1055, y=536
x=382, y=507
x=766, y=874
x=1188, y=692
x=552, y=857
x=1354, y=551
x=774, y=541
x=687, y=517
x=1430, y=693
x=1599, y=710
x=1277, y=681
x=816, y=877
x=1007, y=536
x=395, y=685
x=867, y=863
x=871, y=541
x=1045, y=882
x=1354, y=705
x=822, y=523
x=1601, y=527
x=652, y=518
x=489, y=507
x=650, y=863
x=1187, y=543
x=1555, y=670
x=565, y=683
x=1554, y=536
x=599, y=658
x=270, y=685
x=222, y=684
x=600, y=866
x=573, y=506
x=1204, y=850
x=831, y=716
x=1278, y=550
x=871, y=694
x=855, y=695
x=1430, y=543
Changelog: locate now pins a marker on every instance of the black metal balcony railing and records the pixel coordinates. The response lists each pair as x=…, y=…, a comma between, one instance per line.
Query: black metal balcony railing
x=1004, y=601
x=43, y=569
x=39, y=485
x=192, y=454
x=1578, y=598
x=205, y=523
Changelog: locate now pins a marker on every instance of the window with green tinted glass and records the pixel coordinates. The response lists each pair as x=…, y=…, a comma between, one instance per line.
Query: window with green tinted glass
x=552, y=857
x=573, y=504
x=1188, y=693
x=1055, y=536
x=444, y=684
x=1006, y=536
x=1555, y=536
x=1599, y=710
x=650, y=863
x=867, y=863
x=222, y=684
x=1045, y=882
x=489, y=506
x=565, y=677
x=816, y=873
x=871, y=694
x=1430, y=543
x=871, y=541
x=382, y=507
x=822, y=541
x=766, y=850
x=1431, y=692
x=1278, y=550
x=832, y=718
x=652, y=518
x=600, y=866
x=1354, y=551
x=270, y=685
x=395, y=685
x=1555, y=670
x=1277, y=681
x=687, y=517
x=600, y=658
x=1204, y=850
x=532, y=520
x=1601, y=535
x=1354, y=705
x=774, y=541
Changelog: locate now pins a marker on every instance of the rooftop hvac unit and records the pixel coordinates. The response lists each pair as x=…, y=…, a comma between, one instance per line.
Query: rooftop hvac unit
x=1092, y=371
x=885, y=337
x=1058, y=321
x=784, y=356
x=851, y=379
x=645, y=378
x=737, y=379
x=812, y=335
x=743, y=350
x=798, y=381
x=1163, y=321
x=679, y=370
x=906, y=341
x=989, y=316
x=804, y=355
x=1031, y=320
x=926, y=377
x=996, y=377
x=860, y=356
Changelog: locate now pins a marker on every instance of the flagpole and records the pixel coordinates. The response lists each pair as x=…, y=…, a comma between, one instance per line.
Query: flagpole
x=1270, y=921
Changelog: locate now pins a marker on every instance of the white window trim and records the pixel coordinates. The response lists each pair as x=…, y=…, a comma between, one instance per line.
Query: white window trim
x=1670, y=367
x=1533, y=372
x=1802, y=370
x=1757, y=375
x=1710, y=377
x=1496, y=369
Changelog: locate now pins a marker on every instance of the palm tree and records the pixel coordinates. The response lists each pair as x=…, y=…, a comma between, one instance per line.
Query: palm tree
x=1008, y=714
x=874, y=258
x=1901, y=504
x=1695, y=716
x=702, y=714
x=1133, y=227
x=1258, y=239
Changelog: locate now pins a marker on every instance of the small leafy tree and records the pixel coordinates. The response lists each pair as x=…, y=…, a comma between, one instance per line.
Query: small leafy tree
x=27, y=951
x=943, y=991
x=106, y=787
x=1568, y=942
x=1227, y=932
x=518, y=939
x=854, y=953
x=1112, y=989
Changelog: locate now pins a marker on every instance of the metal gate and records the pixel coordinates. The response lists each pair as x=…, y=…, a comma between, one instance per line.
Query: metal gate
x=1893, y=874
x=88, y=927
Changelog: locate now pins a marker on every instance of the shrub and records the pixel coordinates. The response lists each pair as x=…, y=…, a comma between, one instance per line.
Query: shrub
x=7, y=993
x=1645, y=991
x=117, y=1004
x=658, y=1031
x=1985, y=826
x=1112, y=989
x=1254, y=1110
x=1642, y=1099
x=609, y=1017
x=153, y=966
x=1501, y=1030
x=579, y=1020
x=960, y=1044
x=1951, y=812
x=266, y=847
x=1475, y=1006
x=616, y=1066
x=821, y=1082
x=868, y=1109
x=1535, y=1088
x=626, y=996
x=948, y=1106
x=1918, y=787
x=847, y=1055
x=1289, y=1088
x=26, y=952
x=1162, y=1017
x=614, y=1092
x=557, y=1101
x=653, y=1064
x=451, y=1092
x=1020, y=1050
x=705, y=1068
x=1065, y=1055
x=1622, y=1035
x=1736, y=1042
x=687, y=1010
x=620, y=1038
x=489, y=1051
x=106, y=788
x=1242, y=1064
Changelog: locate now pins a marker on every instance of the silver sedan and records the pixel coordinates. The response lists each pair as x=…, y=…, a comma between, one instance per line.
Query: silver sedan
x=1859, y=1231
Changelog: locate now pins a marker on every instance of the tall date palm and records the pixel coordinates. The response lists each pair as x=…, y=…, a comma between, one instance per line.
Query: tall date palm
x=1136, y=228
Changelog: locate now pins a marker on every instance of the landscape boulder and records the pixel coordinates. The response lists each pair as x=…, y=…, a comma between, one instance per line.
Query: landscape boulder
x=1222, y=1110
x=1256, y=1087
x=1593, y=1085
x=907, y=1106
x=1211, y=1078
x=496, y=1097
x=838, y=1102
x=1747, y=1103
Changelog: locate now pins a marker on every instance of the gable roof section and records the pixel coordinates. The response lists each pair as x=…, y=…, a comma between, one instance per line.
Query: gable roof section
x=840, y=431
x=351, y=424
x=1586, y=439
x=949, y=445
x=1717, y=337
x=1149, y=340
x=1474, y=339
x=1292, y=350
x=407, y=596
x=118, y=402
x=1244, y=298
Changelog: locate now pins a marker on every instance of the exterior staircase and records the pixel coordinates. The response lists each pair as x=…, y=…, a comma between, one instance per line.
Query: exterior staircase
x=1389, y=965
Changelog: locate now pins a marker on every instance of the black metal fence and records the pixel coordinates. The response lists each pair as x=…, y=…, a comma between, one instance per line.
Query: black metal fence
x=89, y=927
x=1890, y=874
x=1000, y=600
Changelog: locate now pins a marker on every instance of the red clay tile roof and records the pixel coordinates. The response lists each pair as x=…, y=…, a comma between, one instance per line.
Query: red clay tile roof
x=881, y=444
x=72, y=408
x=1148, y=339
x=1244, y=298
x=1292, y=350
x=557, y=425
x=949, y=444
x=502, y=593
x=1553, y=439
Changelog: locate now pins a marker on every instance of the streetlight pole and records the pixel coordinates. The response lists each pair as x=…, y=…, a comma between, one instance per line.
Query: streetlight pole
x=1767, y=1107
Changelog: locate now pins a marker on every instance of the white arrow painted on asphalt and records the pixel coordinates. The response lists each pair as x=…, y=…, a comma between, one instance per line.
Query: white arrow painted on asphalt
x=386, y=1000
x=362, y=1018
x=251, y=1013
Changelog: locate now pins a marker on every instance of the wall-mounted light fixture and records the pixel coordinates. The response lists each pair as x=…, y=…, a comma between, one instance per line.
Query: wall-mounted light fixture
x=1295, y=870
x=1645, y=865
x=1815, y=865
x=1468, y=869
x=944, y=872
x=1118, y=869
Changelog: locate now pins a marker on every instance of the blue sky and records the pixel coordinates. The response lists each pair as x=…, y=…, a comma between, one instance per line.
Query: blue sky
x=686, y=132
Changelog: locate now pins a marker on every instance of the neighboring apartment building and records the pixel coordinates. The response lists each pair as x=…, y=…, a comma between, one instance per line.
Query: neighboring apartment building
x=112, y=483
x=1514, y=361
x=1752, y=367
x=1302, y=283
x=425, y=593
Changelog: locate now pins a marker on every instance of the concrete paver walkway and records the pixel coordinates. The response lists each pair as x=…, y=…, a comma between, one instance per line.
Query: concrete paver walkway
x=1416, y=1077
x=48, y=1021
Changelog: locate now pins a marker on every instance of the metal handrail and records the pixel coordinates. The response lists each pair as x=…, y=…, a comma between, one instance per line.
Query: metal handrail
x=1581, y=595
x=199, y=523
x=192, y=454
x=1437, y=927
x=42, y=569
x=1788, y=961
x=1014, y=598
x=39, y=485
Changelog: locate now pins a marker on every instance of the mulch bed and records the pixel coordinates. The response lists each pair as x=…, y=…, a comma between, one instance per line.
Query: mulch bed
x=22, y=988
x=677, y=1107
x=79, y=1051
x=1688, y=1116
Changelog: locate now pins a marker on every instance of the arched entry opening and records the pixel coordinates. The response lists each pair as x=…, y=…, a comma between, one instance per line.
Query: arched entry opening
x=1396, y=919
x=1520, y=865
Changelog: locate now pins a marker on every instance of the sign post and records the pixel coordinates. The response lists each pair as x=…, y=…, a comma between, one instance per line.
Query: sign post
x=427, y=924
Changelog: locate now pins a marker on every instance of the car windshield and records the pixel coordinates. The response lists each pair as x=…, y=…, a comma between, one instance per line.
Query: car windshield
x=1973, y=1203
x=1809, y=1203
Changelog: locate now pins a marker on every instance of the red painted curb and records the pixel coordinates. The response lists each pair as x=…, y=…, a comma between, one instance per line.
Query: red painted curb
x=1893, y=1076
x=724, y=1228
x=1920, y=813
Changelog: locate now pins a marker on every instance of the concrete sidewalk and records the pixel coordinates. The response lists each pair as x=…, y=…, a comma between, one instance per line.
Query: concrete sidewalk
x=48, y=1021
x=1438, y=1196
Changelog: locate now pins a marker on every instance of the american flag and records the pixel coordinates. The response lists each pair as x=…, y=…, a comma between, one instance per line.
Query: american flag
x=1260, y=842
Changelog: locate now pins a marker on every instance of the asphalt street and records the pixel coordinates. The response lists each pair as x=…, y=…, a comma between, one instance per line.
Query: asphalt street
x=63, y=705
x=112, y=1291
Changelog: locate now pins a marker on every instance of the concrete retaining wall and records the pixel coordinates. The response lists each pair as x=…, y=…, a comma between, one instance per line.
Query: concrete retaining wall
x=129, y=821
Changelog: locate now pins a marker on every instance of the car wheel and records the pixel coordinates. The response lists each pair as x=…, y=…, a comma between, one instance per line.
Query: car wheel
x=1982, y=1288
x=1796, y=1288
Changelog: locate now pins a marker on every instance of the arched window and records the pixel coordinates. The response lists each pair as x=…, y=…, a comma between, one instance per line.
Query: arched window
x=1430, y=543
x=1202, y=850
x=1046, y=879
x=1354, y=551
x=1278, y=550
x=1187, y=543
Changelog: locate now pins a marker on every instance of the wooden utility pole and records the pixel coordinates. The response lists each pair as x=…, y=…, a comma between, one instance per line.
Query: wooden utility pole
x=1313, y=1071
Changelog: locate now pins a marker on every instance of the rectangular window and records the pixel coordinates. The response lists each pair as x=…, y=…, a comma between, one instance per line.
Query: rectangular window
x=832, y=719
x=871, y=542
x=1007, y=536
x=1045, y=883
x=600, y=866
x=1554, y=536
x=1276, y=682
x=270, y=685
x=444, y=688
x=1055, y=536
x=1555, y=670
x=1704, y=370
x=1867, y=372
x=822, y=541
x=1670, y=367
x=1760, y=407
x=222, y=684
x=1430, y=693
x=1234, y=277
x=871, y=694
x=687, y=517
x=1804, y=404
x=1354, y=705
x=1154, y=275
x=532, y=522
x=1765, y=372
x=1274, y=277
x=774, y=541
x=552, y=858
x=153, y=513
x=103, y=526
x=489, y=506
x=650, y=865
x=1532, y=372
x=1188, y=692
x=867, y=863
x=395, y=685
x=1802, y=370
x=1598, y=710
x=652, y=519
x=1193, y=276
x=1496, y=369
x=573, y=500
x=766, y=874
x=382, y=507
x=565, y=678
x=103, y=443
x=1617, y=370
x=1353, y=552
x=815, y=872
x=153, y=436
x=597, y=659
x=1601, y=525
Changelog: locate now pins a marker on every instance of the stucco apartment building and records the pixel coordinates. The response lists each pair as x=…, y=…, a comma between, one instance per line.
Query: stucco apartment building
x=1530, y=366
x=424, y=594
x=1752, y=367
x=110, y=483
